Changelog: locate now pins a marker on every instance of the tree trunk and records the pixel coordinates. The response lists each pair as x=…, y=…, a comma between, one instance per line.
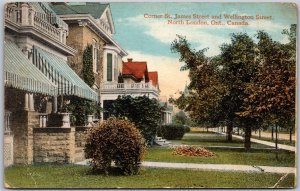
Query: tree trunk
x=291, y=135
x=276, y=141
x=259, y=133
x=247, y=143
x=272, y=133
x=238, y=131
x=229, y=132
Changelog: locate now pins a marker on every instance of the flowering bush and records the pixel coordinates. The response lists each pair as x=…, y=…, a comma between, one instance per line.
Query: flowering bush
x=192, y=151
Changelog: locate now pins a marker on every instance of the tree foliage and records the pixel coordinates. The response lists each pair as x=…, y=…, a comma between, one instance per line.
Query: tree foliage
x=205, y=90
x=272, y=95
x=247, y=85
x=143, y=111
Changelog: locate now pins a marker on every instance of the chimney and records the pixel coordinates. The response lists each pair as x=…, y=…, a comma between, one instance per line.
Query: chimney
x=129, y=59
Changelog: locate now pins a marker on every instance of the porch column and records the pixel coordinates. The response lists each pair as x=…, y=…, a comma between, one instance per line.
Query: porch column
x=101, y=113
x=54, y=104
x=25, y=13
x=26, y=102
x=31, y=102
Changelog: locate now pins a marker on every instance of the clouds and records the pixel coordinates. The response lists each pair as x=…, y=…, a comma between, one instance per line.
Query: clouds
x=211, y=36
x=150, y=39
x=165, y=33
x=169, y=77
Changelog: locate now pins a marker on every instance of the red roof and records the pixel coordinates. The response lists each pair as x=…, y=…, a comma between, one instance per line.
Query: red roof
x=154, y=77
x=136, y=69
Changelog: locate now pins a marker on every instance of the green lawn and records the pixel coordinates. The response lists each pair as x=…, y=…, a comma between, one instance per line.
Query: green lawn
x=213, y=139
x=225, y=157
x=72, y=176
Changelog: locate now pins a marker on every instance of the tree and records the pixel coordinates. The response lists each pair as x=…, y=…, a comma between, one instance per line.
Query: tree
x=180, y=118
x=272, y=95
x=143, y=111
x=239, y=66
x=202, y=103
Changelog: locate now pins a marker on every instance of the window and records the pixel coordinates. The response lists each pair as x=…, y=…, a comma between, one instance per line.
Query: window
x=109, y=67
x=95, y=56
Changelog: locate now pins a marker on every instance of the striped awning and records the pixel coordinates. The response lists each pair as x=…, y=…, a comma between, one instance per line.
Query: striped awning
x=58, y=71
x=20, y=73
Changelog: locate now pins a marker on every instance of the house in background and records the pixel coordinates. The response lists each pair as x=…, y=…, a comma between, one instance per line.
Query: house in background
x=37, y=78
x=92, y=23
x=135, y=80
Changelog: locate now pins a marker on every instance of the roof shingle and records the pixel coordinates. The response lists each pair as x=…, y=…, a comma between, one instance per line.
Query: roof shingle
x=136, y=69
x=93, y=8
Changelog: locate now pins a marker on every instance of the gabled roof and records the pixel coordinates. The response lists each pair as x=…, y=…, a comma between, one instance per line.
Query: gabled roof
x=153, y=76
x=137, y=70
x=93, y=8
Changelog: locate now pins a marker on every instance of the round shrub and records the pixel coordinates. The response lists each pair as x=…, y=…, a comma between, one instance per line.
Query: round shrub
x=187, y=129
x=118, y=141
x=172, y=132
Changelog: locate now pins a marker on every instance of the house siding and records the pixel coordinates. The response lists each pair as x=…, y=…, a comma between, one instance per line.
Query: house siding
x=79, y=37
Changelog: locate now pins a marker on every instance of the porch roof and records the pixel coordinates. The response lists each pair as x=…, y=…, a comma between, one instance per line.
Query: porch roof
x=57, y=69
x=20, y=73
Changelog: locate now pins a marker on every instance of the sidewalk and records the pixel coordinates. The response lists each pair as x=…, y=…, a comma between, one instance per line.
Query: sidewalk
x=280, y=146
x=215, y=167
x=281, y=136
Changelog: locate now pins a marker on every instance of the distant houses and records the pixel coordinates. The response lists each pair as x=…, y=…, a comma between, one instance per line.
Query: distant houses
x=43, y=50
x=92, y=23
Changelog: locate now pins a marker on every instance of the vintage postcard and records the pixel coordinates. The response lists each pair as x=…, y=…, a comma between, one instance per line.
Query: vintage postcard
x=149, y=95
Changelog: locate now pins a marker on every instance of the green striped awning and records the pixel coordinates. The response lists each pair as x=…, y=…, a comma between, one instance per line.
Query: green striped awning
x=20, y=73
x=58, y=71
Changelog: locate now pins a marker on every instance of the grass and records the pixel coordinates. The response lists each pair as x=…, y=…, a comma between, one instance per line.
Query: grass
x=261, y=158
x=213, y=139
x=72, y=176
x=280, y=141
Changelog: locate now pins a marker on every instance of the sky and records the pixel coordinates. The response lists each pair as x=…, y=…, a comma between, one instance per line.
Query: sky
x=149, y=39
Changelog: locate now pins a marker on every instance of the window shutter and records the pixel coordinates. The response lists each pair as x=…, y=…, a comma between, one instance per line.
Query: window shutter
x=109, y=67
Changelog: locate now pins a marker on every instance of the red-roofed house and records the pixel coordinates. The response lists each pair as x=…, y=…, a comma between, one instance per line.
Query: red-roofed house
x=134, y=80
x=134, y=72
x=153, y=78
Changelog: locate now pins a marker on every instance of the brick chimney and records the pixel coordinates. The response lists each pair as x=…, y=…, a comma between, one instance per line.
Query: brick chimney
x=129, y=59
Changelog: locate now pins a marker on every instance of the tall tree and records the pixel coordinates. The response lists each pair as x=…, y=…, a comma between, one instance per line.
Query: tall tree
x=205, y=90
x=238, y=63
x=272, y=95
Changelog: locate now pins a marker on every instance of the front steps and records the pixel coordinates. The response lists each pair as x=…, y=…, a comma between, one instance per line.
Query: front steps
x=162, y=142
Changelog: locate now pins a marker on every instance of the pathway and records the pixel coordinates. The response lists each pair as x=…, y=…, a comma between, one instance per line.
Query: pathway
x=215, y=167
x=281, y=136
x=280, y=146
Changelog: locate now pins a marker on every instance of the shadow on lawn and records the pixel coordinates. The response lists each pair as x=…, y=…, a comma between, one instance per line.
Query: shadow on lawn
x=112, y=171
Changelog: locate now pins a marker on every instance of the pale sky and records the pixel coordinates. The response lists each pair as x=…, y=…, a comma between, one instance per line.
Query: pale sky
x=150, y=39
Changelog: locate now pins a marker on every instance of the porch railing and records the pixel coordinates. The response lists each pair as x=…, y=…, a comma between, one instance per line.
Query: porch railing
x=23, y=14
x=128, y=86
